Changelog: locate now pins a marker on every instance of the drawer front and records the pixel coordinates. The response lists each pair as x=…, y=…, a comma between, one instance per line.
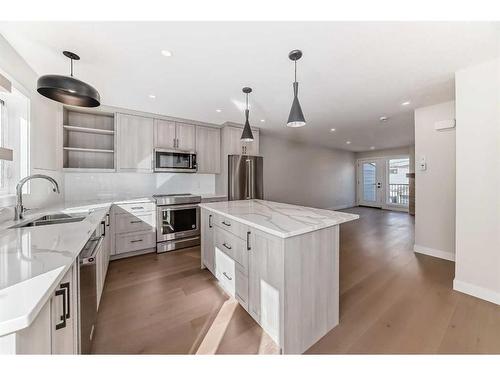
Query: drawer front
x=134, y=208
x=131, y=242
x=232, y=226
x=225, y=272
x=241, y=286
x=126, y=223
x=233, y=246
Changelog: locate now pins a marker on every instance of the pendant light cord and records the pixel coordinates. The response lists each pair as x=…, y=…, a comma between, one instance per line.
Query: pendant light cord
x=247, y=101
x=71, y=67
x=295, y=70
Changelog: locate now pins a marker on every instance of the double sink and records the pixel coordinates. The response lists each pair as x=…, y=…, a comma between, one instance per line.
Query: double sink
x=58, y=218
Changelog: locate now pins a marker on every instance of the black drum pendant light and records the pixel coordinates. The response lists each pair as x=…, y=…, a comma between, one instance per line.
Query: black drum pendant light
x=247, y=135
x=67, y=89
x=296, y=117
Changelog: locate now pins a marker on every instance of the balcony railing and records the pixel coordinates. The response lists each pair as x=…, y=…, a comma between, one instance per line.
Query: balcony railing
x=399, y=194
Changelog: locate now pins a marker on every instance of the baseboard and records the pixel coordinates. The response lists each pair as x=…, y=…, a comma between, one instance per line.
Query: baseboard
x=434, y=252
x=342, y=207
x=477, y=291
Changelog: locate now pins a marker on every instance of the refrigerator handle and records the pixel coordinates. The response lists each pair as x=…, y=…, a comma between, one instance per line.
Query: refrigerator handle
x=250, y=179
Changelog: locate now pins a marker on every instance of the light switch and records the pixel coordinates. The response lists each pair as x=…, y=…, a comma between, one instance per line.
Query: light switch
x=422, y=164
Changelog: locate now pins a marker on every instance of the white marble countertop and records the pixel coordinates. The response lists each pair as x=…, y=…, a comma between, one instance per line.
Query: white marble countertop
x=279, y=219
x=34, y=259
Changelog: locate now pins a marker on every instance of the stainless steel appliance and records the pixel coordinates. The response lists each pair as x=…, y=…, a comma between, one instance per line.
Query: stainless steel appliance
x=245, y=177
x=87, y=284
x=174, y=161
x=177, y=221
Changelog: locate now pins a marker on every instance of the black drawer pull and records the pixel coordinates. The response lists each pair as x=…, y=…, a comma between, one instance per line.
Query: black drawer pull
x=226, y=224
x=225, y=274
x=62, y=292
x=66, y=286
x=137, y=208
x=136, y=221
x=210, y=221
x=136, y=241
x=227, y=246
x=248, y=241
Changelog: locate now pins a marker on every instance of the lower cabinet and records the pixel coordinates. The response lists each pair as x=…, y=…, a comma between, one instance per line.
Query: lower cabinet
x=207, y=241
x=64, y=312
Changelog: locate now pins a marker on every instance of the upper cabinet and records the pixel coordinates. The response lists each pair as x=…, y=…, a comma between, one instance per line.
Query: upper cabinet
x=135, y=143
x=233, y=144
x=174, y=135
x=208, y=149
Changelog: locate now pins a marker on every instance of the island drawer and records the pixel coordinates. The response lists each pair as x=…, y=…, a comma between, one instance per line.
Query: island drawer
x=233, y=246
x=225, y=271
x=231, y=226
x=137, y=241
x=127, y=223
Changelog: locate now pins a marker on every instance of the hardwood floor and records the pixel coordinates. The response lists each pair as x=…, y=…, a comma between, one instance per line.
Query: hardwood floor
x=391, y=301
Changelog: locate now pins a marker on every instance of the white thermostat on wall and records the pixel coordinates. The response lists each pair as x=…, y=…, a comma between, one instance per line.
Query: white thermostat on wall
x=445, y=124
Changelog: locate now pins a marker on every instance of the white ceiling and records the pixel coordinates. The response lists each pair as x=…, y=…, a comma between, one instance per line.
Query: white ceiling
x=351, y=72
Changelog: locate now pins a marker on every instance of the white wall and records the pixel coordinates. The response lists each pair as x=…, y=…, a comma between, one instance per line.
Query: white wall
x=85, y=186
x=307, y=175
x=46, y=155
x=435, y=187
x=478, y=181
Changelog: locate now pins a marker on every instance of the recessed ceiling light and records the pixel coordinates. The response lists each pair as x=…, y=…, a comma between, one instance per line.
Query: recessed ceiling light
x=166, y=53
x=348, y=142
x=407, y=102
x=152, y=96
x=383, y=118
x=332, y=129
x=218, y=110
x=372, y=148
x=262, y=120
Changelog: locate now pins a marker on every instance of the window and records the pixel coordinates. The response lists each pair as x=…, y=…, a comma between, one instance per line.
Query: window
x=399, y=192
x=14, y=134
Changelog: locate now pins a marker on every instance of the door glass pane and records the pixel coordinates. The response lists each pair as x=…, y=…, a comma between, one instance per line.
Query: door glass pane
x=398, y=181
x=369, y=182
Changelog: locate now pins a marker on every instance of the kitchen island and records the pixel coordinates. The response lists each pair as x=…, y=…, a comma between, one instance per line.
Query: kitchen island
x=280, y=261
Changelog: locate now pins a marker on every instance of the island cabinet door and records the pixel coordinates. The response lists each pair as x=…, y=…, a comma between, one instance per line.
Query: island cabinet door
x=207, y=241
x=265, y=282
x=64, y=315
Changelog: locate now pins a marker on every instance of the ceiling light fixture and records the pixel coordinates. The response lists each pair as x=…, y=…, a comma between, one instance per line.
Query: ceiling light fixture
x=332, y=129
x=218, y=110
x=262, y=120
x=348, y=142
x=152, y=96
x=68, y=90
x=372, y=148
x=247, y=135
x=383, y=118
x=407, y=102
x=296, y=117
x=166, y=53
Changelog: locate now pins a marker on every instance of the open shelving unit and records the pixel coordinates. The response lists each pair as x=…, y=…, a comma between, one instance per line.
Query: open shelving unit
x=89, y=141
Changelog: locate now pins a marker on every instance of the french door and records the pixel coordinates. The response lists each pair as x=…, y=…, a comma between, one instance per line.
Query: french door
x=371, y=177
x=383, y=182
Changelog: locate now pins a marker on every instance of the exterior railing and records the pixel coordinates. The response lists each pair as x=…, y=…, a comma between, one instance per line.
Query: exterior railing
x=399, y=194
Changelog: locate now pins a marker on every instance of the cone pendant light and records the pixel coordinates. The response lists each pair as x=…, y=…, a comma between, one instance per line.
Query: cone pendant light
x=247, y=135
x=296, y=117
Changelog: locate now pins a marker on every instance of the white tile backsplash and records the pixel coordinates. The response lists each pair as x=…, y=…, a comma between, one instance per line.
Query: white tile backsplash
x=84, y=186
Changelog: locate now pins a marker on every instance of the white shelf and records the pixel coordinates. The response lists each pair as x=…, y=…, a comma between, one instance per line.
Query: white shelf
x=88, y=150
x=88, y=130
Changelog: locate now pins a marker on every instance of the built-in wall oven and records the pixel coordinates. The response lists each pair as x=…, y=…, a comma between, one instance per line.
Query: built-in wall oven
x=174, y=161
x=177, y=221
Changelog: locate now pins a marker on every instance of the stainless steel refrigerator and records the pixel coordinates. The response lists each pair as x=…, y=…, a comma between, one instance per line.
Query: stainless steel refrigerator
x=245, y=177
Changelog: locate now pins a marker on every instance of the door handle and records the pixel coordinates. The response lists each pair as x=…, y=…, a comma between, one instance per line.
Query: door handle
x=62, y=292
x=248, y=241
x=68, y=299
x=210, y=221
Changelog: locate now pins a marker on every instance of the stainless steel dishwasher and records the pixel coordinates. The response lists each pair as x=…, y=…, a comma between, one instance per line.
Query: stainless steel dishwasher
x=87, y=305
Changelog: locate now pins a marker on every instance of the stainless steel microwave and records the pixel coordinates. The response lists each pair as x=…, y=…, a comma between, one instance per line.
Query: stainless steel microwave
x=174, y=161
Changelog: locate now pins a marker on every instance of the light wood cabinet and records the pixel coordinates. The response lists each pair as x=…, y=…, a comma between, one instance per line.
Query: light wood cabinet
x=207, y=241
x=164, y=134
x=174, y=135
x=233, y=144
x=208, y=149
x=64, y=312
x=135, y=143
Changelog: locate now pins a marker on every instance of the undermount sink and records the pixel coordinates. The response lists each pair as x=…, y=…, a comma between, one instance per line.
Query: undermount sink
x=49, y=220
